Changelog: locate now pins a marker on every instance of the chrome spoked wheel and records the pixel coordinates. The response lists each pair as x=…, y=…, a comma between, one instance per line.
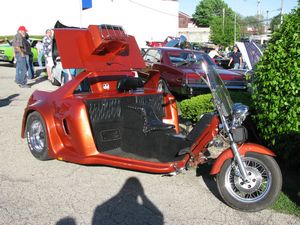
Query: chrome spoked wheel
x=36, y=136
x=259, y=191
x=255, y=188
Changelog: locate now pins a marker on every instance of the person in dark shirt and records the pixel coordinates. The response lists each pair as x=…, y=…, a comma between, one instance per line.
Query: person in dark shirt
x=236, y=58
x=29, y=57
x=19, y=50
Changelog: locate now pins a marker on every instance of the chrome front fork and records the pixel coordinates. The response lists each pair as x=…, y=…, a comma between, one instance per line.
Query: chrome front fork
x=234, y=147
x=239, y=161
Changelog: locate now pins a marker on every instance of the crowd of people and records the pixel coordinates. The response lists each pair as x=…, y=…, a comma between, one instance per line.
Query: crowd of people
x=24, y=56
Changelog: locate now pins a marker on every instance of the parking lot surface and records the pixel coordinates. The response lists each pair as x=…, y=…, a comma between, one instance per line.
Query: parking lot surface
x=57, y=192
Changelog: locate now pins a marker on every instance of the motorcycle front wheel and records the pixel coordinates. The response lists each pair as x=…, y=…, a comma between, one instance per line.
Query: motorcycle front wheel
x=260, y=190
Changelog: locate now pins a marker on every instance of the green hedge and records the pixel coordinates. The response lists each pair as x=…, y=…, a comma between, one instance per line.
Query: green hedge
x=192, y=108
x=276, y=91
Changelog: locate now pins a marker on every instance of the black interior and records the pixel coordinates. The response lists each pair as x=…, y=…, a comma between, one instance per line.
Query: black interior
x=132, y=127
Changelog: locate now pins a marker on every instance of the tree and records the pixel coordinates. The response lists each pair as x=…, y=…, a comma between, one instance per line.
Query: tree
x=276, y=90
x=206, y=10
x=220, y=37
x=257, y=25
x=275, y=23
x=210, y=13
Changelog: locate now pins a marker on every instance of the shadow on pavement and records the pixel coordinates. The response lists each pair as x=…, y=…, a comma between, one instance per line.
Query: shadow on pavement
x=129, y=206
x=203, y=171
x=7, y=64
x=66, y=221
x=37, y=80
x=39, y=77
x=6, y=101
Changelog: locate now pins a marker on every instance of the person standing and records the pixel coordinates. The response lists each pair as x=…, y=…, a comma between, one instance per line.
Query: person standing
x=29, y=57
x=215, y=52
x=236, y=58
x=47, y=42
x=39, y=46
x=19, y=51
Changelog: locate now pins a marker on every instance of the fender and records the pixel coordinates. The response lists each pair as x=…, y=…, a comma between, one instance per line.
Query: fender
x=244, y=149
x=50, y=128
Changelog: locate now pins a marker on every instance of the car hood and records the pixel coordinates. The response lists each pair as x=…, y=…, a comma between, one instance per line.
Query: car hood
x=5, y=45
x=98, y=48
x=224, y=74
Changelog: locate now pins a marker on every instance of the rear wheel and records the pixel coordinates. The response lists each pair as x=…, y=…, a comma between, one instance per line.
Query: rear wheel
x=36, y=136
x=261, y=189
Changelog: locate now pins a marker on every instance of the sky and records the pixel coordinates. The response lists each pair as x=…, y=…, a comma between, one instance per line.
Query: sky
x=245, y=7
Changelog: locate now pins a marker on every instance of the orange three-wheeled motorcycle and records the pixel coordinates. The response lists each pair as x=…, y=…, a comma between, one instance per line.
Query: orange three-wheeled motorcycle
x=108, y=116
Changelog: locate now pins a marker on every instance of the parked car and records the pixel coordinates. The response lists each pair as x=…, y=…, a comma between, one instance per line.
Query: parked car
x=7, y=51
x=180, y=69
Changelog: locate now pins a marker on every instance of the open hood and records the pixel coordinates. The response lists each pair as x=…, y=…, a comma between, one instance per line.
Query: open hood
x=98, y=48
x=251, y=53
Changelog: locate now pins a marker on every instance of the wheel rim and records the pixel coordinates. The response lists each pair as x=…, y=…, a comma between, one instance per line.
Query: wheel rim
x=257, y=186
x=36, y=136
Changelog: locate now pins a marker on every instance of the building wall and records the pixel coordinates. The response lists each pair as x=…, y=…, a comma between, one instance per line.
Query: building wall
x=184, y=20
x=147, y=20
x=195, y=34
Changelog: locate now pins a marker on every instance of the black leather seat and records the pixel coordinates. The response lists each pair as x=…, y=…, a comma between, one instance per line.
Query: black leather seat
x=129, y=83
x=151, y=121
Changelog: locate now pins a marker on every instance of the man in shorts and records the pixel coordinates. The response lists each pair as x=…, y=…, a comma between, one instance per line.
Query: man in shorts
x=47, y=42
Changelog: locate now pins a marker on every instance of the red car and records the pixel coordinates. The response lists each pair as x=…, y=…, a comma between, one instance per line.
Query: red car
x=180, y=70
x=106, y=115
x=159, y=43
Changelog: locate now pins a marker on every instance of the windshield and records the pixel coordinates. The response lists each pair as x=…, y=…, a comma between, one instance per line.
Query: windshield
x=219, y=92
x=189, y=57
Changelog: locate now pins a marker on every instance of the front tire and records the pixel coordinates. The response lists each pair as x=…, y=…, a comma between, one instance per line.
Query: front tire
x=259, y=192
x=36, y=136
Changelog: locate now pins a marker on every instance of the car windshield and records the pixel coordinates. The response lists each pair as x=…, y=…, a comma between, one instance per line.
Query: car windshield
x=186, y=58
x=219, y=92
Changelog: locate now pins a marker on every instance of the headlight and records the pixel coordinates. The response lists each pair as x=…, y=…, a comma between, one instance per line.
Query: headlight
x=239, y=112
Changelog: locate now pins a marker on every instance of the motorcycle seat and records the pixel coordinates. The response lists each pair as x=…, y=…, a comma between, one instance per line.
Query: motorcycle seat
x=150, y=120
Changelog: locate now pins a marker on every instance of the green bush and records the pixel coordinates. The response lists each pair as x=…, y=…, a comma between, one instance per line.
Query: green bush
x=276, y=90
x=192, y=108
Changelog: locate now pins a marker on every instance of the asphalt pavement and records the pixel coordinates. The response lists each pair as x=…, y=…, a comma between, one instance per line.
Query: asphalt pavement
x=57, y=192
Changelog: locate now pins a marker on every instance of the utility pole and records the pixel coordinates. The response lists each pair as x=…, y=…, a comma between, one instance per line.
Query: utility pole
x=234, y=27
x=281, y=12
x=258, y=9
x=223, y=19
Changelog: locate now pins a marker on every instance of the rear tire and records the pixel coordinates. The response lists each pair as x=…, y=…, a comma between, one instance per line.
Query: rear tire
x=262, y=190
x=37, y=136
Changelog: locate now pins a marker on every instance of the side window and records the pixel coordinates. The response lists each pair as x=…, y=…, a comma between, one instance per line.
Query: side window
x=152, y=56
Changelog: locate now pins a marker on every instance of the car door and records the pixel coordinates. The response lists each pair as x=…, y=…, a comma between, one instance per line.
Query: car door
x=172, y=74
